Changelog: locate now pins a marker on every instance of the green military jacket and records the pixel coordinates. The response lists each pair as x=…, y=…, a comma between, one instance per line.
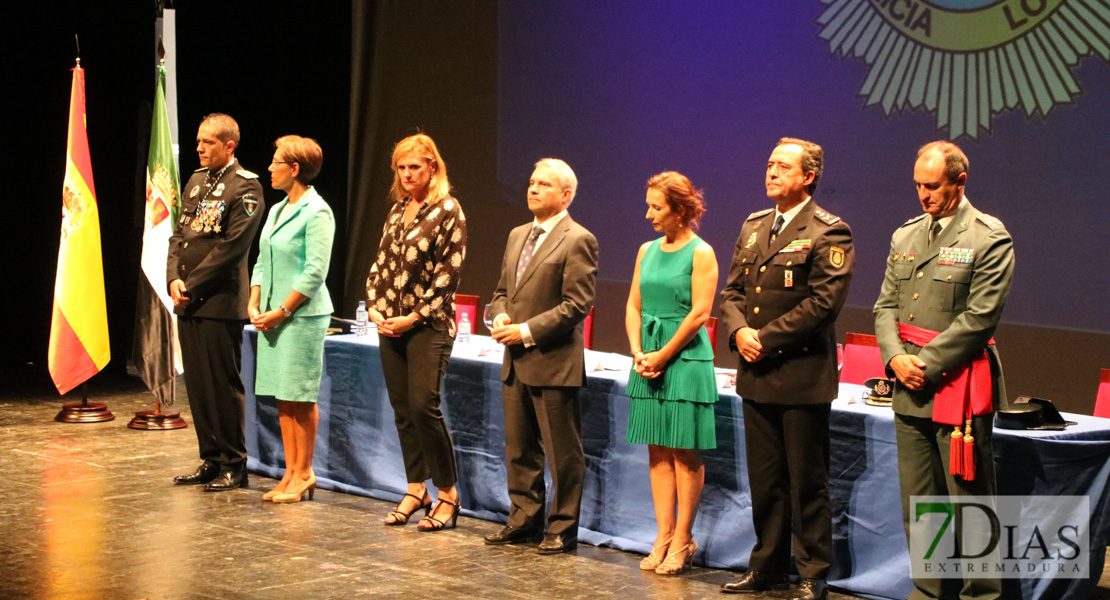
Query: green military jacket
x=957, y=286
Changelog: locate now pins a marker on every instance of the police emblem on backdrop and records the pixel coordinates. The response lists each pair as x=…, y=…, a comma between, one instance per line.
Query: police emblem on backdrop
x=209, y=215
x=938, y=42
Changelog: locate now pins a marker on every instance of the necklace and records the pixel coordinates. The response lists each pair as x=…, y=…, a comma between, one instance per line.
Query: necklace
x=207, y=218
x=212, y=185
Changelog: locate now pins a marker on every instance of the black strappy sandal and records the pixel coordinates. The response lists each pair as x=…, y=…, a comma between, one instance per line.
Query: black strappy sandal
x=400, y=518
x=436, y=524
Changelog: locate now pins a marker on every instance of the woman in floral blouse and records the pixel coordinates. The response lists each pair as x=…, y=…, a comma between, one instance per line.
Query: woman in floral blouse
x=411, y=289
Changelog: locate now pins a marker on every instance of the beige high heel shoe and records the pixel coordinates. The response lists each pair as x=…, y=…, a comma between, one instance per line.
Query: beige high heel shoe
x=298, y=491
x=655, y=558
x=274, y=492
x=673, y=565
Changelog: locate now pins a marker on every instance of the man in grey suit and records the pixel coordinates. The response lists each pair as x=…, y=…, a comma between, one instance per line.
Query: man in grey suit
x=948, y=275
x=544, y=294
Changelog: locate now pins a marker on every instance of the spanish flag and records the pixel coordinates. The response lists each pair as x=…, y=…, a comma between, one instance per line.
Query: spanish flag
x=79, y=327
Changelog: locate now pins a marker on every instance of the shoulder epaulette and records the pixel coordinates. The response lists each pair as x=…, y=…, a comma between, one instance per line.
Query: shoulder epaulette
x=756, y=215
x=827, y=218
x=200, y=170
x=914, y=220
x=247, y=174
x=990, y=221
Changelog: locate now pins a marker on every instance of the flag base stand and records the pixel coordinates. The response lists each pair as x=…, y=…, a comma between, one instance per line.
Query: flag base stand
x=153, y=420
x=84, y=412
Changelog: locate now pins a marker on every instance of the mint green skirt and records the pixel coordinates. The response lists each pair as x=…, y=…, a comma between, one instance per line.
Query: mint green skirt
x=291, y=359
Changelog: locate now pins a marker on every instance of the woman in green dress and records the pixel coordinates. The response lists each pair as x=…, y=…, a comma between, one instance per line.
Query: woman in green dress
x=291, y=308
x=672, y=388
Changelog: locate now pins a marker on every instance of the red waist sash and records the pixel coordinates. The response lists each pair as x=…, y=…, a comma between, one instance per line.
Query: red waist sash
x=962, y=392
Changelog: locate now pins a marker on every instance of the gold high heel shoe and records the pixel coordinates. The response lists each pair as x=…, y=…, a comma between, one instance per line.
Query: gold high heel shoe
x=652, y=561
x=298, y=492
x=672, y=565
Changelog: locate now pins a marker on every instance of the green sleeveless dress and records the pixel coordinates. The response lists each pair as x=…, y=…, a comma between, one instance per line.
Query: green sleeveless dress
x=675, y=409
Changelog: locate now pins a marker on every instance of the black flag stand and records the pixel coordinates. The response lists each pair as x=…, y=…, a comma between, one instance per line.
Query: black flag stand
x=84, y=412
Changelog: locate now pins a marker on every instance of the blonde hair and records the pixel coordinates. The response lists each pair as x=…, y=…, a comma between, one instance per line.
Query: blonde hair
x=423, y=146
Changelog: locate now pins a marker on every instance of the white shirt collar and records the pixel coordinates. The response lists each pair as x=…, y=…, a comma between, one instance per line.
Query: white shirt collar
x=789, y=215
x=549, y=224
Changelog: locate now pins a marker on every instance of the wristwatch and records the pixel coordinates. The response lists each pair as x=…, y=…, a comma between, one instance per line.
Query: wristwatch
x=285, y=311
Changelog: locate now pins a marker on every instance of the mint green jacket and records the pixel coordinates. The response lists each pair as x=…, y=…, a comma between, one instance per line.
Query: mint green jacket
x=295, y=254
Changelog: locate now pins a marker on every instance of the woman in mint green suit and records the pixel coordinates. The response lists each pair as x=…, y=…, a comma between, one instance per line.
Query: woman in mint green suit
x=291, y=307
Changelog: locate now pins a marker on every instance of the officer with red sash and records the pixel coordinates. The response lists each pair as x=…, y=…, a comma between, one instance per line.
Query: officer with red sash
x=947, y=278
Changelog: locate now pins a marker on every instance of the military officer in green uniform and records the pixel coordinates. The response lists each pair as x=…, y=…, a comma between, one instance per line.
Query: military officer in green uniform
x=947, y=278
x=207, y=273
x=789, y=278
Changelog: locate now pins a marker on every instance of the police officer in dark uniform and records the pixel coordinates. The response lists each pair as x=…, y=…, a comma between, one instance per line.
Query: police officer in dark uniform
x=789, y=278
x=221, y=211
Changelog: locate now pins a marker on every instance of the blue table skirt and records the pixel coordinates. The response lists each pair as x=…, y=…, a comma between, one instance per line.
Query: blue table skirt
x=357, y=452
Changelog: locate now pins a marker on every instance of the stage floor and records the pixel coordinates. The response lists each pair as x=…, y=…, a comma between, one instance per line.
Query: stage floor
x=90, y=512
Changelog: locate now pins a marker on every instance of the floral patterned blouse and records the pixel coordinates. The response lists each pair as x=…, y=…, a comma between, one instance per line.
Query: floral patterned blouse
x=417, y=269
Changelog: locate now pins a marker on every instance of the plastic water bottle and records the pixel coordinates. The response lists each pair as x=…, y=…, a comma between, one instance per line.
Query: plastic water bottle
x=362, y=318
x=463, y=336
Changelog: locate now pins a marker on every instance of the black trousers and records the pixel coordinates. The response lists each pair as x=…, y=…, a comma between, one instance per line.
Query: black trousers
x=923, y=455
x=788, y=471
x=414, y=366
x=539, y=422
x=211, y=351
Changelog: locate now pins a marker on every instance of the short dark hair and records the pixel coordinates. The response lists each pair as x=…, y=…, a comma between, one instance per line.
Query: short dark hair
x=955, y=161
x=303, y=151
x=227, y=130
x=813, y=159
x=681, y=195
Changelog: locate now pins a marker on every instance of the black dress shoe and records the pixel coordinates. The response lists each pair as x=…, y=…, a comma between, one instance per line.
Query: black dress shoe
x=554, y=543
x=206, y=472
x=811, y=589
x=754, y=581
x=510, y=535
x=228, y=480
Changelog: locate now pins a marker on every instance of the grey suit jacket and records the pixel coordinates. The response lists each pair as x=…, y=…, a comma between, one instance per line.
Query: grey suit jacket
x=962, y=300
x=553, y=297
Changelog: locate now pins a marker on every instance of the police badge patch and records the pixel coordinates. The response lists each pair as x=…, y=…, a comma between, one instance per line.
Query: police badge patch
x=836, y=257
x=250, y=203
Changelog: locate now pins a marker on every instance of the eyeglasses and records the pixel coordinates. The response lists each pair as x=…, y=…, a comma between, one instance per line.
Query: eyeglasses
x=281, y=162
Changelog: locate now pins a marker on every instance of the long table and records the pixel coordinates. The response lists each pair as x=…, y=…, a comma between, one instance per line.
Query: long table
x=357, y=451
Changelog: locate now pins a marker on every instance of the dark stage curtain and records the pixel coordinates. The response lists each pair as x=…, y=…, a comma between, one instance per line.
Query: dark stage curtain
x=432, y=67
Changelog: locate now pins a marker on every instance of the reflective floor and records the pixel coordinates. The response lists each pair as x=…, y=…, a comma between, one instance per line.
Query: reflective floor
x=90, y=512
